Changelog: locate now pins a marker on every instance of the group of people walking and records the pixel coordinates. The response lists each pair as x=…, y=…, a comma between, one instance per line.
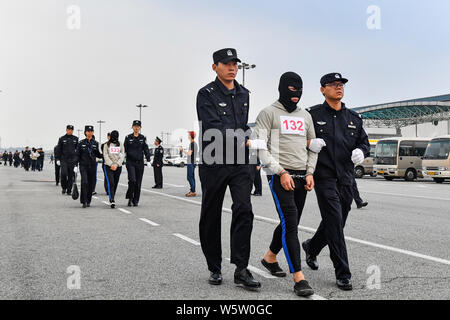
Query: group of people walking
x=73, y=156
x=299, y=149
x=28, y=159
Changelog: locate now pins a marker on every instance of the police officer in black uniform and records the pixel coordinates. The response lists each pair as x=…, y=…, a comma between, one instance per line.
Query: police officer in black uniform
x=222, y=110
x=65, y=155
x=158, y=164
x=347, y=144
x=26, y=158
x=87, y=154
x=57, y=168
x=136, y=148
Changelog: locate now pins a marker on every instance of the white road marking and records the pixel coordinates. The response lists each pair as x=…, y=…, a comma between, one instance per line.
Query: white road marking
x=195, y=243
x=149, y=222
x=107, y=203
x=312, y=230
x=175, y=185
x=124, y=211
x=406, y=196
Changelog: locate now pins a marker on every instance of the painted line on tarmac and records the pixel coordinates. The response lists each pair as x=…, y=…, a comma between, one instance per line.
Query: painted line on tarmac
x=406, y=196
x=149, y=222
x=175, y=185
x=195, y=243
x=124, y=211
x=312, y=230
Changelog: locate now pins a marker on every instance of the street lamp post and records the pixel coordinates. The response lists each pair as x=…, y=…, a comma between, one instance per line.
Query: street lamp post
x=245, y=66
x=140, y=106
x=100, y=131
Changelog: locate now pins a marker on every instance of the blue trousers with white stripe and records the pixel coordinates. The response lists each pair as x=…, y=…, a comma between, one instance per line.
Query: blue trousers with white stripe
x=289, y=205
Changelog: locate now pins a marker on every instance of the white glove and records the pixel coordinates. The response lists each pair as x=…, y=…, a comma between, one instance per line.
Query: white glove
x=58, y=163
x=357, y=156
x=315, y=145
x=258, y=144
x=75, y=169
x=149, y=164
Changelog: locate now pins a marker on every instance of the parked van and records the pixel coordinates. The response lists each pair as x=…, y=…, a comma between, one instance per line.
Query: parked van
x=400, y=157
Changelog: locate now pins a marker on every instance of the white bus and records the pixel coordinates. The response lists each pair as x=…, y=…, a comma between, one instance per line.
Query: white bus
x=436, y=162
x=400, y=157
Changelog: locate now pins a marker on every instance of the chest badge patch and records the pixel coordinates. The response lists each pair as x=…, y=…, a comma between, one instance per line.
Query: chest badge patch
x=222, y=104
x=321, y=123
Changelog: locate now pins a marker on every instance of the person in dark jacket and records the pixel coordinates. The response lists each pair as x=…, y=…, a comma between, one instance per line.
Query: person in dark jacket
x=87, y=152
x=136, y=148
x=57, y=169
x=26, y=158
x=65, y=155
x=158, y=164
x=222, y=111
x=346, y=144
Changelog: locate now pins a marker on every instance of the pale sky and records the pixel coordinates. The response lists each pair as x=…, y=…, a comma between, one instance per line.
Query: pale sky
x=159, y=53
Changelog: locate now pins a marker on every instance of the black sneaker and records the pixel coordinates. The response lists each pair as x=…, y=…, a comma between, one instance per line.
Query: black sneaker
x=311, y=261
x=303, y=289
x=274, y=268
x=215, y=278
x=362, y=205
x=245, y=279
x=344, y=284
x=113, y=204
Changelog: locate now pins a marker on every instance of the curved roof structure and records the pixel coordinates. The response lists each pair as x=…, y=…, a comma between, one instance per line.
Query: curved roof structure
x=406, y=113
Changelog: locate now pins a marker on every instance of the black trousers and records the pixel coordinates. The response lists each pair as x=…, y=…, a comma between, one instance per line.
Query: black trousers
x=26, y=164
x=135, y=173
x=289, y=205
x=57, y=172
x=157, y=171
x=335, y=203
x=105, y=182
x=214, y=181
x=355, y=193
x=67, y=176
x=88, y=174
x=112, y=181
x=257, y=180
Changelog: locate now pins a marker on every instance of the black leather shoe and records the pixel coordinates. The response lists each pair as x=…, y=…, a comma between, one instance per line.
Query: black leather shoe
x=84, y=205
x=215, y=278
x=63, y=191
x=303, y=289
x=135, y=204
x=311, y=261
x=364, y=204
x=113, y=204
x=344, y=284
x=130, y=203
x=245, y=278
x=88, y=205
x=274, y=268
x=69, y=193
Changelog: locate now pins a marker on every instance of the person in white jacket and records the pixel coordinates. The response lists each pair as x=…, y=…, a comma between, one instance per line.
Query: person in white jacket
x=113, y=153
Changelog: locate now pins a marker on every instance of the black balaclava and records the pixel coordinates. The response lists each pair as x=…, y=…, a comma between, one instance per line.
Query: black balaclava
x=290, y=79
x=114, y=138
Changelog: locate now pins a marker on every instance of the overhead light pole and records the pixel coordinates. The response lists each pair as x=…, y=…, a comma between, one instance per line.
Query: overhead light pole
x=245, y=66
x=100, y=131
